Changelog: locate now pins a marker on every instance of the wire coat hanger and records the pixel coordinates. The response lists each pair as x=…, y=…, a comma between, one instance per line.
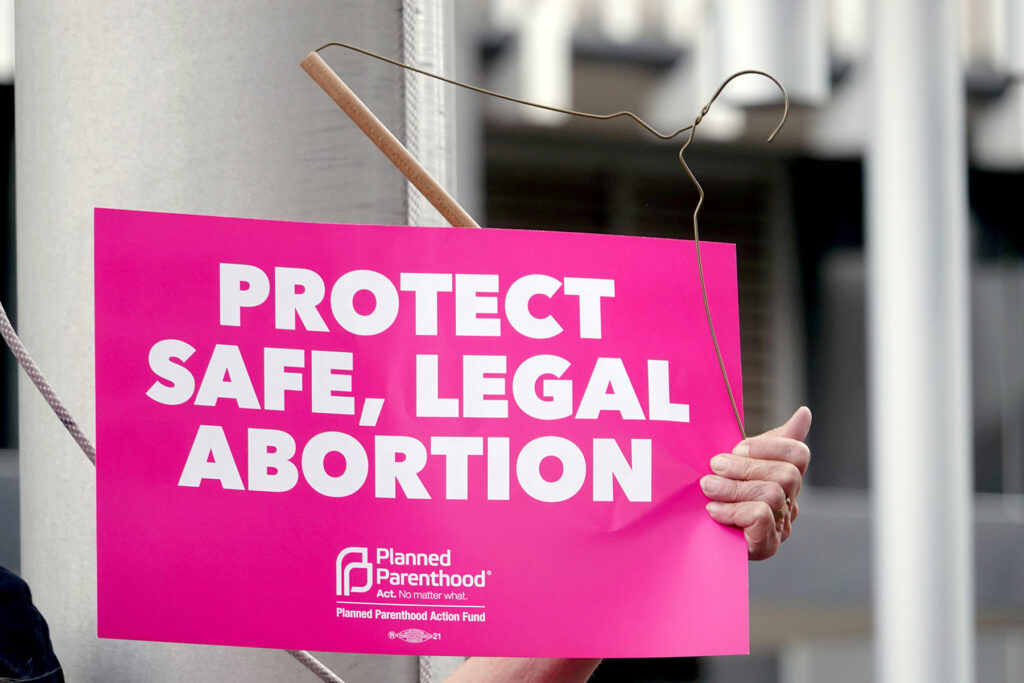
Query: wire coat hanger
x=446, y=205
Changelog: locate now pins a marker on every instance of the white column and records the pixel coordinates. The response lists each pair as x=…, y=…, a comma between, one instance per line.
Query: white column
x=919, y=389
x=188, y=106
x=786, y=38
x=537, y=65
x=428, y=42
x=620, y=22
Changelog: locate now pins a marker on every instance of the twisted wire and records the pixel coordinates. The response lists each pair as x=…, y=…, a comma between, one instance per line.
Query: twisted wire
x=692, y=128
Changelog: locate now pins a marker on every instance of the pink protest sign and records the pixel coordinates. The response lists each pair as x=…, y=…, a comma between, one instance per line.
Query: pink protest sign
x=412, y=441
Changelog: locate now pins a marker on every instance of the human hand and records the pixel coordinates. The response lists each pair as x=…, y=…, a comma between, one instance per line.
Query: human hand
x=756, y=486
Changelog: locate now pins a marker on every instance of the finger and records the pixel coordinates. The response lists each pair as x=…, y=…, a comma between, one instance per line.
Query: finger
x=757, y=521
x=776, y=448
x=794, y=510
x=796, y=427
x=732, y=491
x=733, y=466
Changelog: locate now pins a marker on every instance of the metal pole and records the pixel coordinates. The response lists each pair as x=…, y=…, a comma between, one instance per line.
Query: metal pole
x=918, y=317
x=194, y=107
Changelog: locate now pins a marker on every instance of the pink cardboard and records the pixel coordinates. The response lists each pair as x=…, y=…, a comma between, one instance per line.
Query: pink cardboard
x=531, y=490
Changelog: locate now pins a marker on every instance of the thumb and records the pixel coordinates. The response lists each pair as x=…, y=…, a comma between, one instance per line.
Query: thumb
x=796, y=427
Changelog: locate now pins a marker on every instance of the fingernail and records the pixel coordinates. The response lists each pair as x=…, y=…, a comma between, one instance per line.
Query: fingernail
x=719, y=464
x=710, y=484
x=742, y=449
x=713, y=507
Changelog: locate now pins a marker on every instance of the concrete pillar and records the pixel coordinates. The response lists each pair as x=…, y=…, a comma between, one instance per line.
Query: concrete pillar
x=188, y=106
x=918, y=325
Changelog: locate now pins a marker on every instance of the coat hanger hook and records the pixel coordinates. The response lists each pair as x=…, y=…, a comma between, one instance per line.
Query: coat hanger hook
x=727, y=81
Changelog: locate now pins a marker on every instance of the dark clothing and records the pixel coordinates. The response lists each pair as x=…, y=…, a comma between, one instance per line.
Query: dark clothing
x=25, y=650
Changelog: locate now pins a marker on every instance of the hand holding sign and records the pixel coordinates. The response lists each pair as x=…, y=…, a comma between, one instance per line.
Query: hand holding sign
x=761, y=477
x=751, y=484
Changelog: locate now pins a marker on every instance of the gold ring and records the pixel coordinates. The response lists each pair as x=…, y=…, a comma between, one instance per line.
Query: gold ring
x=783, y=511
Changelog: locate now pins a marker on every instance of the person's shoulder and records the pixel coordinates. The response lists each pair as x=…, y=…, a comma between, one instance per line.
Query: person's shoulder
x=26, y=652
x=13, y=589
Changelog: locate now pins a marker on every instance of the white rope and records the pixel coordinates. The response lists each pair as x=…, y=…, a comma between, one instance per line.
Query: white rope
x=36, y=375
x=32, y=370
x=426, y=669
x=315, y=665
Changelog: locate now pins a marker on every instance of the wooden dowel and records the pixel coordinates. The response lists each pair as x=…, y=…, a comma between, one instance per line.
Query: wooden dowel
x=382, y=137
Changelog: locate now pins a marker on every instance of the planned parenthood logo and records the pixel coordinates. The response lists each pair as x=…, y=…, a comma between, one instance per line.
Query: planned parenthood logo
x=354, y=560
x=394, y=570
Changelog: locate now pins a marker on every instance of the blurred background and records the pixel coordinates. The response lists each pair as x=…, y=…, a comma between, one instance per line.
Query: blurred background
x=799, y=211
